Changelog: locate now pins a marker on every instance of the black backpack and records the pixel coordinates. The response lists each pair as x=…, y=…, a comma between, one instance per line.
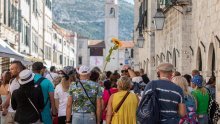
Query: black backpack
x=37, y=85
x=213, y=110
x=148, y=111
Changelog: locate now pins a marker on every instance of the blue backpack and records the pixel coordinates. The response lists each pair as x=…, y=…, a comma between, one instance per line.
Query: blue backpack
x=190, y=117
x=148, y=111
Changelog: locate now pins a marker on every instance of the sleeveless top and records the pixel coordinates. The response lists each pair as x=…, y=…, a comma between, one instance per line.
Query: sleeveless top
x=127, y=112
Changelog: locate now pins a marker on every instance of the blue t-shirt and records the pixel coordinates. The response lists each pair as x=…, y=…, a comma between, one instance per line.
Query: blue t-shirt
x=169, y=96
x=47, y=87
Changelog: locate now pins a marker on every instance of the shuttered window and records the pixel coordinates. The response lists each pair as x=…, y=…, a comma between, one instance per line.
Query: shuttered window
x=5, y=12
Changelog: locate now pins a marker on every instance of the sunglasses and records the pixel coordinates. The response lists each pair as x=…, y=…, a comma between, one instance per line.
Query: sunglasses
x=124, y=71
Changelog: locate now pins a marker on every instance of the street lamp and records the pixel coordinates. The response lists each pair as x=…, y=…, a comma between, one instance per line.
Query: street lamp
x=159, y=19
x=140, y=41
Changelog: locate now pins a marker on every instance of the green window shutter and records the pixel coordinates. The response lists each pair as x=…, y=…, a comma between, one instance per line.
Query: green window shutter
x=28, y=29
x=146, y=14
x=11, y=16
x=162, y=2
x=19, y=21
x=5, y=12
x=9, y=13
x=168, y=2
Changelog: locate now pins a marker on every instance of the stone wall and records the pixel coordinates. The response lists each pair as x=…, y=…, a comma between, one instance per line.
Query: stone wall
x=190, y=39
x=206, y=31
x=173, y=43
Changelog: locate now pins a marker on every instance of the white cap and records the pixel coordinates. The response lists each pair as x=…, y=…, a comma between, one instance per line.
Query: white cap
x=26, y=76
x=83, y=70
x=137, y=79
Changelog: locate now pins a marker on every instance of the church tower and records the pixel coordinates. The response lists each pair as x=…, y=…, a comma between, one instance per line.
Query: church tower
x=111, y=31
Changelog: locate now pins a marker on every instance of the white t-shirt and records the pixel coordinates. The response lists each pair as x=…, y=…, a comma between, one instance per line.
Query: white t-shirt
x=51, y=76
x=62, y=97
x=12, y=87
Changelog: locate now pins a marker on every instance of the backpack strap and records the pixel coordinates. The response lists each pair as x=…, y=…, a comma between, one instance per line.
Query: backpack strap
x=154, y=85
x=109, y=92
x=39, y=81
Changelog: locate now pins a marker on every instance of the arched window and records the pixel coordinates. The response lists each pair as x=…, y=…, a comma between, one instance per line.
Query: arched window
x=199, y=59
x=112, y=12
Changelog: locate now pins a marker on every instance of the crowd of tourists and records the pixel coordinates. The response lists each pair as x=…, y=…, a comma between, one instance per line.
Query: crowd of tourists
x=87, y=95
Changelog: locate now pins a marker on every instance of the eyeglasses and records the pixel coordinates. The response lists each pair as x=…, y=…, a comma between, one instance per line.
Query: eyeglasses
x=124, y=71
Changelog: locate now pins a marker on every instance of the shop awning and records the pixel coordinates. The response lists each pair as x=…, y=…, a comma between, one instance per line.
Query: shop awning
x=33, y=59
x=8, y=51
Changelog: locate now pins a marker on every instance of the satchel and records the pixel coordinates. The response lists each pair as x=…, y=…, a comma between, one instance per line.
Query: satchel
x=148, y=111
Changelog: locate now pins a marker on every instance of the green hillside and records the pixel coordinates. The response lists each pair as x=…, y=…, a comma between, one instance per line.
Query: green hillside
x=87, y=17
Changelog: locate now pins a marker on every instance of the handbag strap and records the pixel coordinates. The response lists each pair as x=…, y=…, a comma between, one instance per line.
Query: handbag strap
x=121, y=102
x=51, y=75
x=87, y=94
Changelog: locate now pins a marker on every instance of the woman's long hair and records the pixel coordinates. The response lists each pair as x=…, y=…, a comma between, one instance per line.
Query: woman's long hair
x=6, y=79
x=107, y=84
x=181, y=82
x=202, y=89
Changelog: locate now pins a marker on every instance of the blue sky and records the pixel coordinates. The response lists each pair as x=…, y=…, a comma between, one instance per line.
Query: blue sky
x=130, y=1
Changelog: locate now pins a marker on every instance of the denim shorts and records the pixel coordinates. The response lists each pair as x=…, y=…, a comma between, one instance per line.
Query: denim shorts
x=83, y=118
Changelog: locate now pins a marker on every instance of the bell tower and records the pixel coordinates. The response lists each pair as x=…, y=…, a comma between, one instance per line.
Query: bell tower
x=111, y=31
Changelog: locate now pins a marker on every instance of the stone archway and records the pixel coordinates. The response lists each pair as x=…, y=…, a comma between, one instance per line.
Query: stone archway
x=199, y=60
x=211, y=60
x=157, y=60
x=174, y=58
x=162, y=58
x=168, y=57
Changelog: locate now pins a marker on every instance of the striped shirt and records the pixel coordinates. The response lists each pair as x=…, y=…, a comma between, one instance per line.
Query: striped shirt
x=169, y=96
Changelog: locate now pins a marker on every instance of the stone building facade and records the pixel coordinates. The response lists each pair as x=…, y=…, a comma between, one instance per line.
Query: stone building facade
x=82, y=53
x=189, y=39
x=172, y=44
x=206, y=39
x=27, y=27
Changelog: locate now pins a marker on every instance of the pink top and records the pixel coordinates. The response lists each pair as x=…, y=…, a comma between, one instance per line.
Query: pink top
x=105, y=98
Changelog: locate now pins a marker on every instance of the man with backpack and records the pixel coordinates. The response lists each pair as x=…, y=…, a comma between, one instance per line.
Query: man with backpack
x=28, y=100
x=48, y=93
x=162, y=101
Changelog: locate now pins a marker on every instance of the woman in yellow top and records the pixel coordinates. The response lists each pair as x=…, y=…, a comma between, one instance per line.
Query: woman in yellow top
x=127, y=112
